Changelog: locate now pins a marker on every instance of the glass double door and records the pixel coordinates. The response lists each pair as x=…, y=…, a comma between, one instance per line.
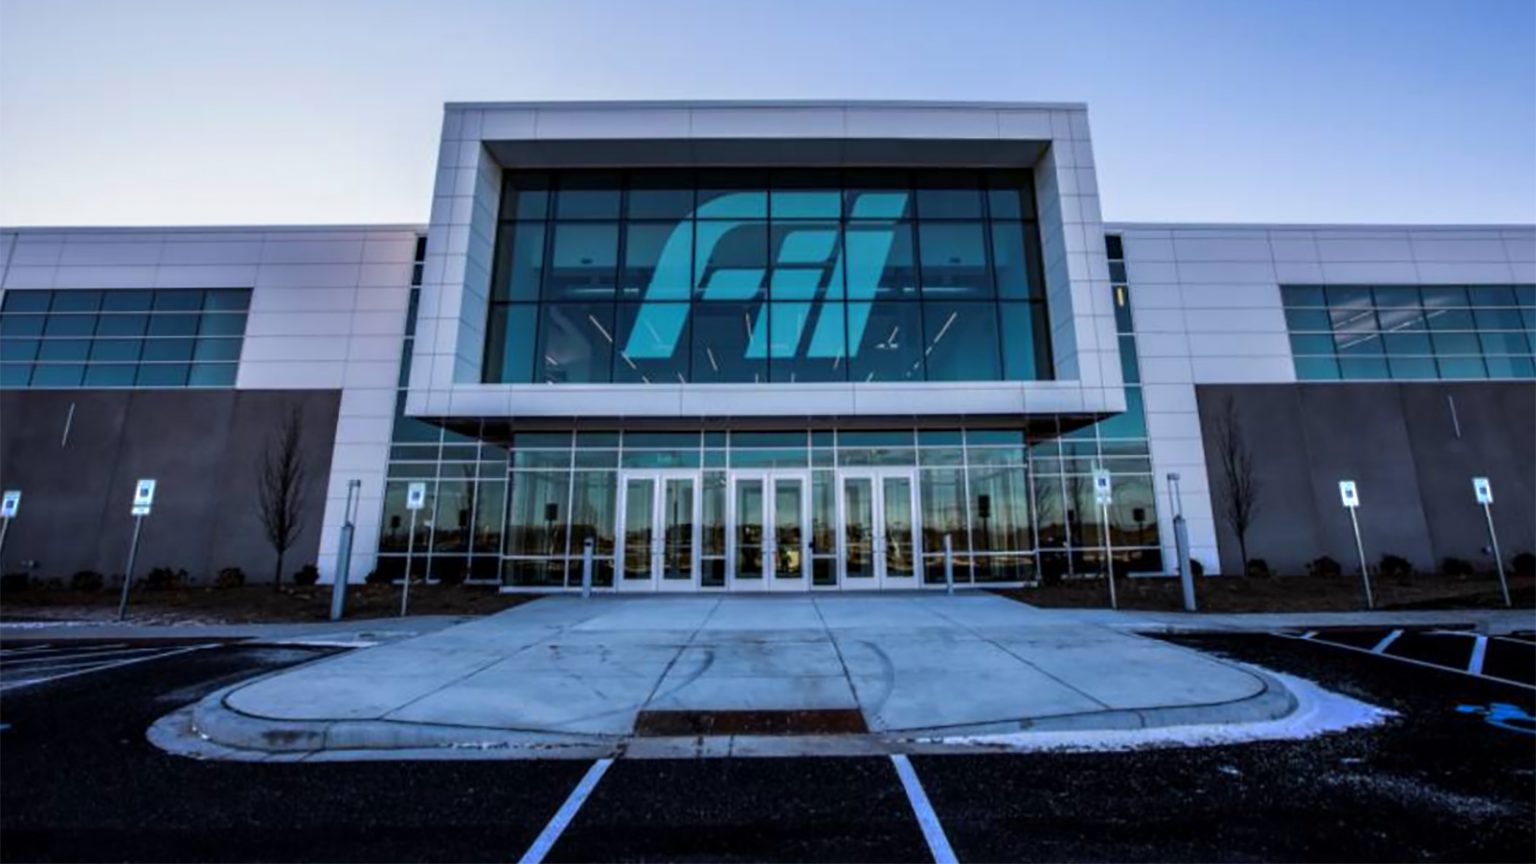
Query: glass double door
x=768, y=537
x=879, y=532
x=767, y=523
x=658, y=532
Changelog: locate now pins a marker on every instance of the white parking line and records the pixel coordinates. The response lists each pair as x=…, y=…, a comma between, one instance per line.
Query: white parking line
x=933, y=832
x=546, y=839
x=35, y=661
x=1381, y=646
x=36, y=650
x=1479, y=652
x=1394, y=657
x=13, y=683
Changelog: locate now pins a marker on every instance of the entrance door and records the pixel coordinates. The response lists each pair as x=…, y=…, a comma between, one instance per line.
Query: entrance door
x=658, y=536
x=769, y=531
x=879, y=538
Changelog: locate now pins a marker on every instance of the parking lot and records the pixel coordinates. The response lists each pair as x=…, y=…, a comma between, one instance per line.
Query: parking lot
x=27, y=665
x=1442, y=780
x=1507, y=658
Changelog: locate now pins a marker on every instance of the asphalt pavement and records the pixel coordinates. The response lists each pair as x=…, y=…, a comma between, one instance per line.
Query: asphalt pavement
x=1443, y=781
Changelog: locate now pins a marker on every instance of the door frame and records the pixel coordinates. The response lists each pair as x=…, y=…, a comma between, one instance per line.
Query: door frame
x=659, y=478
x=882, y=580
x=769, y=478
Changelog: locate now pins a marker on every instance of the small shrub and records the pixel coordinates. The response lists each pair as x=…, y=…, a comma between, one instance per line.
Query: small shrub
x=1456, y=568
x=229, y=577
x=1394, y=567
x=88, y=581
x=1196, y=569
x=164, y=579
x=451, y=576
x=377, y=578
x=1324, y=567
x=10, y=583
x=1524, y=564
x=1258, y=568
x=306, y=576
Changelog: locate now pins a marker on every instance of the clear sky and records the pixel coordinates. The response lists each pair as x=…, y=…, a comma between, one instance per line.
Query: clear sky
x=310, y=111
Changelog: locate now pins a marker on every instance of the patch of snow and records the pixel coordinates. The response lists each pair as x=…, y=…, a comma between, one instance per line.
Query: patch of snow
x=1318, y=712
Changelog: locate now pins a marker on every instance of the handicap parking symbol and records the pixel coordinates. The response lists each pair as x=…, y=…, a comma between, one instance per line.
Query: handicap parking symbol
x=1504, y=716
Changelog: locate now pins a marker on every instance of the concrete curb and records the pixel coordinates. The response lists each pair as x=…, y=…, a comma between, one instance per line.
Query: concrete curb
x=214, y=719
x=212, y=729
x=1271, y=701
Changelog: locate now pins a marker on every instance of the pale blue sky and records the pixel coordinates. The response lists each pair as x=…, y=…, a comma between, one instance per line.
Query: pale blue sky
x=310, y=111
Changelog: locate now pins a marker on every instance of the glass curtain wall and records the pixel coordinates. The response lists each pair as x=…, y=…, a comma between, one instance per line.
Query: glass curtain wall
x=982, y=487
x=1016, y=503
x=665, y=277
x=459, y=533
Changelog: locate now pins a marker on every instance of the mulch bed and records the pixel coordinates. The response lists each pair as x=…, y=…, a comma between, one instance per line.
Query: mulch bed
x=1283, y=593
x=260, y=604
x=251, y=604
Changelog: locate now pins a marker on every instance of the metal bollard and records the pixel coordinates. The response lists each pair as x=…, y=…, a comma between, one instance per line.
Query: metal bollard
x=343, y=566
x=949, y=565
x=586, y=569
x=344, y=555
x=1186, y=570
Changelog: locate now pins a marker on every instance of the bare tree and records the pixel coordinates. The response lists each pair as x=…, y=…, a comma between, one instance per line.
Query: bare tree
x=1241, y=491
x=280, y=486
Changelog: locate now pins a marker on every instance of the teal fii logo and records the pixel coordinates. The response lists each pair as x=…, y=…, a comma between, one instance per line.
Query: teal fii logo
x=812, y=276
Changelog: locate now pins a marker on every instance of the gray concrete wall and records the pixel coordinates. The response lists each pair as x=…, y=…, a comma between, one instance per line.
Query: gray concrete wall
x=203, y=448
x=1400, y=443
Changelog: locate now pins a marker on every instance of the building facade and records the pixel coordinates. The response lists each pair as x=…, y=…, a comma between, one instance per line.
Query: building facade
x=767, y=347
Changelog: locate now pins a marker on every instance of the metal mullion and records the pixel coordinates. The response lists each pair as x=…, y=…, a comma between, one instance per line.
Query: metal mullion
x=965, y=475
x=570, y=500
x=916, y=236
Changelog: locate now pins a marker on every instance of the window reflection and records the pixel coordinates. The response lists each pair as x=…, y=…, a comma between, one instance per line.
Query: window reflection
x=1400, y=332
x=583, y=257
x=121, y=338
x=575, y=343
x=960, y=340
x=886, y=341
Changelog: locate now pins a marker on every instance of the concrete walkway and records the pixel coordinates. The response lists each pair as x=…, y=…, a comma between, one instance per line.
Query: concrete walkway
x=566, y=673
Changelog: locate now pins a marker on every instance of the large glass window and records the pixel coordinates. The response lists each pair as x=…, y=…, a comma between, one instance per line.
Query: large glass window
x=121, y=338
x=811, y=259
x=1407, y=332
